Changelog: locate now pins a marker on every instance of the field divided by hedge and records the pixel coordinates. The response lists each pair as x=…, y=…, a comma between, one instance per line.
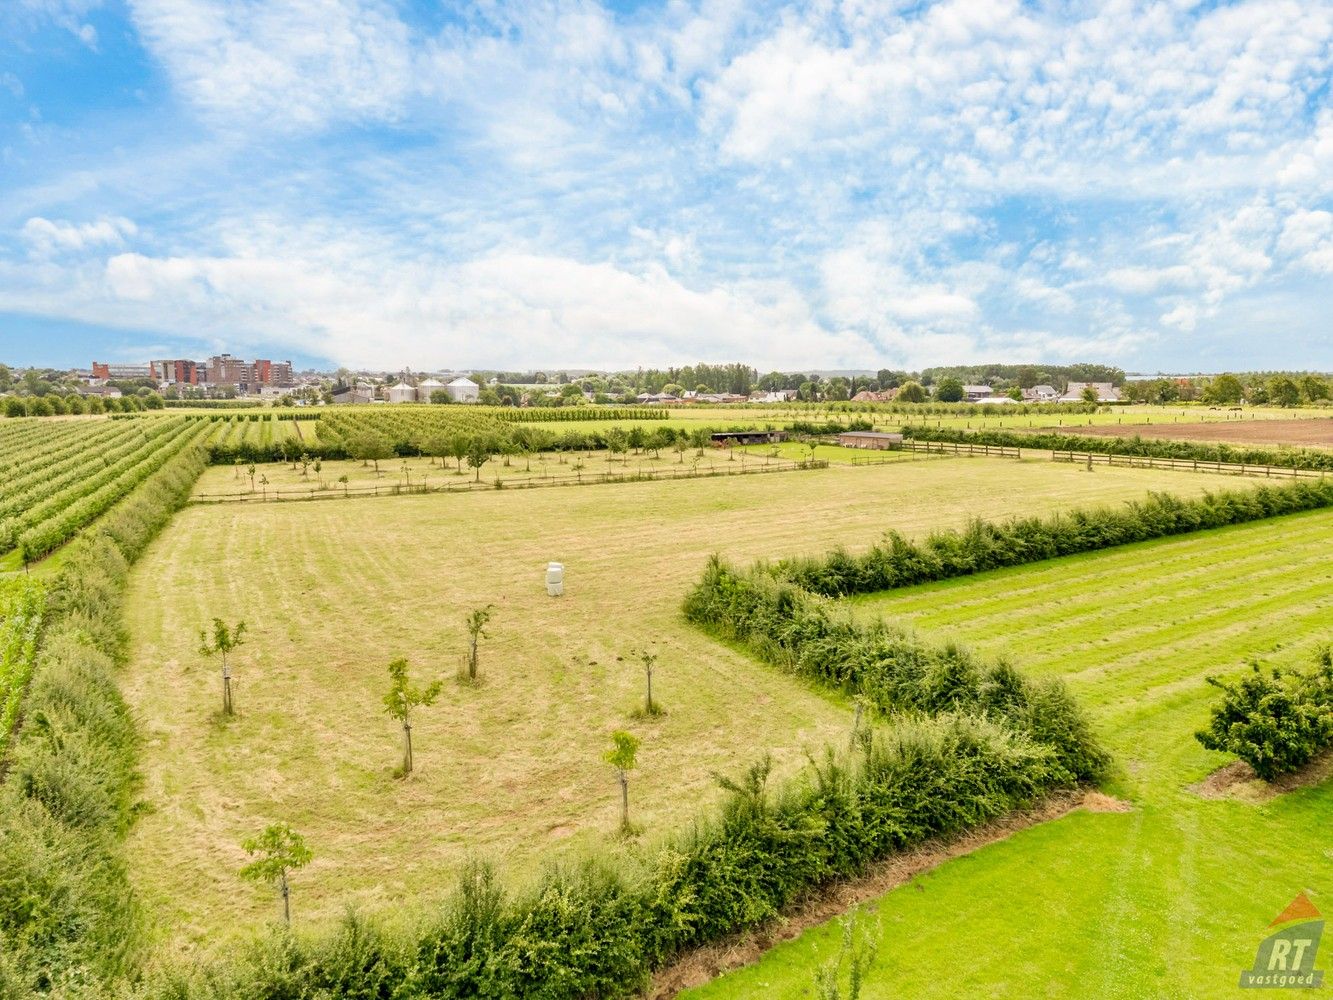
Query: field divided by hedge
x=896, y=561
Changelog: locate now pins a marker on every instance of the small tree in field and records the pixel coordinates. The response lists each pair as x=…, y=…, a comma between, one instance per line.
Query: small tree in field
x=649, y=660
x=476, y=630
x=480, y=450
x=280, y=850
x=368, y=446
x=225, y=639
x=617, y=442
x=622, y=756
x=403, y=696
x=458, y=446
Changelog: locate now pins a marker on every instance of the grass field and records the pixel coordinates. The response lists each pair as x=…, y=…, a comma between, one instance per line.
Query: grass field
x=510, y=769
x=1172, y=898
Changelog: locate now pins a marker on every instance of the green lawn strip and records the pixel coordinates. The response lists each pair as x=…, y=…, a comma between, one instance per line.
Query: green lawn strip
x=1218, y=559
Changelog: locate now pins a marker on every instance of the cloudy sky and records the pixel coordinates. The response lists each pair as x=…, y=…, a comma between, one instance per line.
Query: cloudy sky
x=823, y=184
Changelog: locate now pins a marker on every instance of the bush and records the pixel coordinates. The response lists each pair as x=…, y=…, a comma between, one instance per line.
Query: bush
x=1276, y=722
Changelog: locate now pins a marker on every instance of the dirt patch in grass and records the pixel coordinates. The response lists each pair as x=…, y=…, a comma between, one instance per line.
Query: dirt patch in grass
x=705, y=964
x=1314, y=432
x=1237, y=780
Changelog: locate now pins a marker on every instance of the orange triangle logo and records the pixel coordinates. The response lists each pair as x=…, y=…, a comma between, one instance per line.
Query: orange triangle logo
x=1299, y=908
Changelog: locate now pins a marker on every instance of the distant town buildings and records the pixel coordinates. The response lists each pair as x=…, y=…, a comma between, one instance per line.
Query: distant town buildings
x=220, y=372
x=105, y=371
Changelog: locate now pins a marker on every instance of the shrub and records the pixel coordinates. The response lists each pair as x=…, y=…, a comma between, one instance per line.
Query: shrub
x=1276, y=722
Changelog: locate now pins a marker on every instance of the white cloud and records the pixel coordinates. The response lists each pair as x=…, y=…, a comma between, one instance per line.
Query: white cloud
x=299, y=63
x=1307, y=237
x=345, y=302
x=46, y=237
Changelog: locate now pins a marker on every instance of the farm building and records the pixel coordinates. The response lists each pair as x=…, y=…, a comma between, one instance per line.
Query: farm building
x=425, y=388
x=402, y=393
x=874, y=440
x=361, y=394
x=726, y=439
x=463, y=390
x=972, y=393
x=1106, y=392
x=1040, y=394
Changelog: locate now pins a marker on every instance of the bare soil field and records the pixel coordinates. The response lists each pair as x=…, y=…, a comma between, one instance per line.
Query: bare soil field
x=1316, y=432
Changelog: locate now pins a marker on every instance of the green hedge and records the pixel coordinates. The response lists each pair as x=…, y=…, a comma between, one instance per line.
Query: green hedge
x=22, y=606
x=899, y=562
x=68, y=916
x=1287, y=458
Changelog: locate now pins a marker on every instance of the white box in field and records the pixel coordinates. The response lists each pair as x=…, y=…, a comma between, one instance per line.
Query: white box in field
x=555, y=578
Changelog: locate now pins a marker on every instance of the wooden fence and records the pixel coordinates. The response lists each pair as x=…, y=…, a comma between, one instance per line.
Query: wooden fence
x=930, y=448
x=1186, y=465
x=962, y=448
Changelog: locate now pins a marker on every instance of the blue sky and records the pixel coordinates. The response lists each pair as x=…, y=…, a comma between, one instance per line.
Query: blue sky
x=831, y=184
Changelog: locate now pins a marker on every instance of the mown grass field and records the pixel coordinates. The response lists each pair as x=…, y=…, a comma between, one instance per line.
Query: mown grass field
x=1172, y=898
x=510, y=769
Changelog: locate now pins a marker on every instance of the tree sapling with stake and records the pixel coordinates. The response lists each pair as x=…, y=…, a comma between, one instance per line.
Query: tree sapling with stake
x=401, y=699
x=224, y=641
x=476, y=630
x=622, y=756
x=281, y=850
x=650, y=708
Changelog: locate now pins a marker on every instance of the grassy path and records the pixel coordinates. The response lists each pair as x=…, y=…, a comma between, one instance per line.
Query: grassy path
x=1171, y=899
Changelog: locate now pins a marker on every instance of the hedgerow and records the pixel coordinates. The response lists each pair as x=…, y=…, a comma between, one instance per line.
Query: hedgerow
x=897, y=561
x=68, y=917
x=22, y=604
x=1198, y=451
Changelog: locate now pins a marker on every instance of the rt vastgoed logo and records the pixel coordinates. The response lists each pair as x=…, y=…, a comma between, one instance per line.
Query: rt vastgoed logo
x=1286, y=957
